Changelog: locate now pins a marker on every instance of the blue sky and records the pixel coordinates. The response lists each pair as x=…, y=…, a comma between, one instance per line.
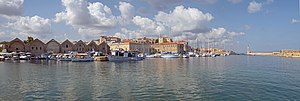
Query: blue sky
x=266, y=25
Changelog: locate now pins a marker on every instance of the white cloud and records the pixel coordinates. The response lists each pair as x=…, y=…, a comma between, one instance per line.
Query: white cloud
x=254, y=7
x=11, y=7
x=295, y=21
x=180, y=24
x=148, y=27
x=85, y=16
x=185, y=19
x=217, y=36
x=127, y=12
x=234, y=1
x=35, y=26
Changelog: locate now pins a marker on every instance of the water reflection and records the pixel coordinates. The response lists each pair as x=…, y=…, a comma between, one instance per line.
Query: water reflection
x=221, y=78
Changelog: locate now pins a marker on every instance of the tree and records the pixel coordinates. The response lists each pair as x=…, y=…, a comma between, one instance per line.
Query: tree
x=29, y=39
x=156, y=40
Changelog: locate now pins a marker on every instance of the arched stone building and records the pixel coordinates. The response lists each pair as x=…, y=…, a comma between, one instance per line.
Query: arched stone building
x=53, y=46
x=16, y=45
x=92, y=46
x=80, y=46
x=36, y=47
x=66, y=46
x=104, y=48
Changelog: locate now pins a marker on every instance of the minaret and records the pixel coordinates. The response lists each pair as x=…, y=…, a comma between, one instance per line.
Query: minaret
x=248, y=49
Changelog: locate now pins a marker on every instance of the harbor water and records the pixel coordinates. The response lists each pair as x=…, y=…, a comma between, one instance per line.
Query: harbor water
x=232, y=78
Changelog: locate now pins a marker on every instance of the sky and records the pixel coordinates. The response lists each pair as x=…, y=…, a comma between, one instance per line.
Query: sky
x=264, y=25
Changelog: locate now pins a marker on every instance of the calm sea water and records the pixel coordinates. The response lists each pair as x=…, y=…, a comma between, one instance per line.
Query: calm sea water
x=221, y=78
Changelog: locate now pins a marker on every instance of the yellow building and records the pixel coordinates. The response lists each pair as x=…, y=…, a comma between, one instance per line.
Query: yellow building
x=173, y=47
x=131, y=46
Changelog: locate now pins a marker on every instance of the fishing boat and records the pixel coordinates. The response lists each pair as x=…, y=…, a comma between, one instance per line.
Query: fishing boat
x=118, y=55
x=82, y=57
x=99, y=56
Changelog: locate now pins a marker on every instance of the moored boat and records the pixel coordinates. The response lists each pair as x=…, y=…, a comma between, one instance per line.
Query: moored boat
x=2, y=58
x=118, y=55
x=157, y=55
x=64, y=57
x=82, y=57
x=169, y=55
x=99, y=56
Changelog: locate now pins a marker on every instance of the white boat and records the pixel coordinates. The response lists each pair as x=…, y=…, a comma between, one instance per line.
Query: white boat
x=169, y=55
x=185, y=56
x=64, y=57
x=191, y=54
x=124, y=56
x=6, y=56
x=15, y=56
x=25, y=56
x=82, y=57
x=2, y=58
x=157, y=55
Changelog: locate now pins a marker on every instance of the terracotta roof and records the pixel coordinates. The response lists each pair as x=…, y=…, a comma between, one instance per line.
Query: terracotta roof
x=126, y=41
x=167, y=43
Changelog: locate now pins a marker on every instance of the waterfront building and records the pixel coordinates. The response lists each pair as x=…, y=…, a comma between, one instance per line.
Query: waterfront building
x=79, y=46
x=36, y=47
x=173, y=47
x=186, y=46
x=66, y=46
x=104, y=48
x=53, y=46
x=16, y=45
x=127, y=45
x=92, y=46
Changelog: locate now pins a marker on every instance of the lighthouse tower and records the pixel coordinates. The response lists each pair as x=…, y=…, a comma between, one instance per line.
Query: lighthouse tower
x=248, y=49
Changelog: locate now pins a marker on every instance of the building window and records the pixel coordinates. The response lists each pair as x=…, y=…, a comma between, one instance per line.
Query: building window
x=17, y=48
x=36, y=48
x=32, y=48
x=40, y=48
x=67, y=46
